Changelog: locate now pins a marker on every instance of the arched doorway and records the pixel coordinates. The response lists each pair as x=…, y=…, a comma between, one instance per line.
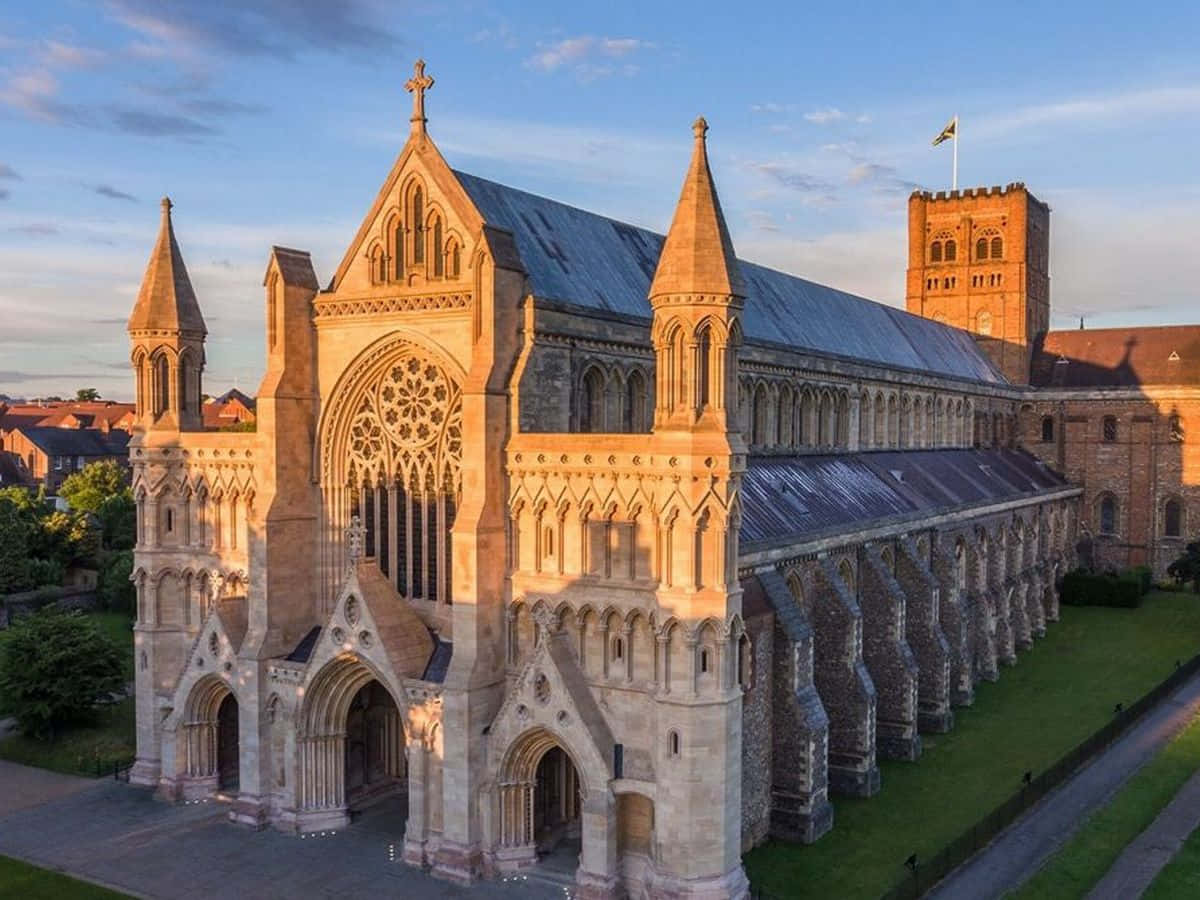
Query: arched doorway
x=374, y=748
x=556, y=803
x=228, y=748
x=351, y=750
x=208, y=746
x=541, y=804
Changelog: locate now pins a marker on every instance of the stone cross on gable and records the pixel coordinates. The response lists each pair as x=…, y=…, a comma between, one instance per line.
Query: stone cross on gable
x=417, y=86
x=355, y=538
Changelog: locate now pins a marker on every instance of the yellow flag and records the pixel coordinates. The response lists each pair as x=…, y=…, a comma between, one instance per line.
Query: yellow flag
x=948, y=132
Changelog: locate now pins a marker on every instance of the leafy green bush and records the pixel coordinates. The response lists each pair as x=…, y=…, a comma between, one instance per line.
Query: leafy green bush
x=87, y=489
x=54, y=668
x=113, y=588
x=40, y=572
x=1083, y=588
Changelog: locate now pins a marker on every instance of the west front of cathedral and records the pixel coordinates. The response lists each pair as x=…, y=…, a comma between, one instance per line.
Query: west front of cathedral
x=559, y=534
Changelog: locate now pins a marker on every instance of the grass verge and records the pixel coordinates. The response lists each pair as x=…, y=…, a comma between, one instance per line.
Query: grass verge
x=1180, y=878
x=28, y=882
x=1084, y=859
x=1059, y=692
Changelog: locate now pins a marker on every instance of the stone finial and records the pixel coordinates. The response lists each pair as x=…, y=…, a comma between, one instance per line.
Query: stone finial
x=166, y=206
x=700, y=128
x=417, y=86
x=356, y=535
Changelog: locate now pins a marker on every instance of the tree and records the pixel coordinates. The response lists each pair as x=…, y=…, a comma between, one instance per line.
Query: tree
x=118, y=521
x=114, y=588
x=1187, y=567
x=68, y=538
x=14, y=547
x=87, y=395
x=54, y=668
x=88, y=488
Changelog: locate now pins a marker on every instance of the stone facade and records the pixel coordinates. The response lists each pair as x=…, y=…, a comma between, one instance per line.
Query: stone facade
x=548, y=572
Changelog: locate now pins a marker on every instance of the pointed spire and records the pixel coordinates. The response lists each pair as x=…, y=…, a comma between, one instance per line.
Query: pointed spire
x=697, y=256
x=166, y=301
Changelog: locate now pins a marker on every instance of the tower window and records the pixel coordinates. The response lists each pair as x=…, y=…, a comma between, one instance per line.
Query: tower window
x=1173, y=519
x=1108, y=515
x=951, y=251
x=704, y=375
x=1047, y=429
x=618, y=648
x=673, y=743
x=398, y=252
x=1110, y=429
x=704, y=661
x=935, y=251
x=981, y=248
x=997, y=248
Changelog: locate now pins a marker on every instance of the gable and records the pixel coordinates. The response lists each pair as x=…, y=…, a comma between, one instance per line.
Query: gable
x=394, y=245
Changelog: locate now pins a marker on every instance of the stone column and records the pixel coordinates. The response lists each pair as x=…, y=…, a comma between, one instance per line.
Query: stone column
x=998, y=593
x=844, y=685
x=924, y=636
x=596, y=878
x=416, y=828
x=888, y=657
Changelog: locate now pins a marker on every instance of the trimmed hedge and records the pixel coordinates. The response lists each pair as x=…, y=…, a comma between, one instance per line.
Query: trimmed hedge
x=1084, y=588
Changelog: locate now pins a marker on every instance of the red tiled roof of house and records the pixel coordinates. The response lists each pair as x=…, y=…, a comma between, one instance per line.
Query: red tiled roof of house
x=1117, y=357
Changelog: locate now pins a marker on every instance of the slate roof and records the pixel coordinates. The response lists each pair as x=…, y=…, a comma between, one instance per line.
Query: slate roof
x=1118, y=357
x=580, y=258
x=807, y=497
x=77, y=441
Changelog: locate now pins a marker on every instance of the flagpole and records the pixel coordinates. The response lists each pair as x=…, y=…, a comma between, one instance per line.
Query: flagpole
x=954, y=180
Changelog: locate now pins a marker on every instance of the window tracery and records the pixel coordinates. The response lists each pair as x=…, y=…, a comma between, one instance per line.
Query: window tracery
x=396, y=464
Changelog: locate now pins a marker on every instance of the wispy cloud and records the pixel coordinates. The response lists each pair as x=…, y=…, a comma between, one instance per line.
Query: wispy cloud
x=1117, y=108
x=824, y=116
x=813, y=189
x=273, y=28
x=107, y=190
x=36, y=229
x=5, y=193
x=72, y=56
x=587, y=56
x=772, y=107
x=147, y=123
x=7, y=171
x=883, y=179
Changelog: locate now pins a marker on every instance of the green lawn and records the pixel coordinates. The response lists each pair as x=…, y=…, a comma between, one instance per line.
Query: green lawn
x=92, y=748
x=1180, y=880
x=1076, y=868
x=1058, y=693
x=19, y=879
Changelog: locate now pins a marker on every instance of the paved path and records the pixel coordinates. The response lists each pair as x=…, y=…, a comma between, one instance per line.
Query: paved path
x=1022, y=848
x=21, y=786
x=1142, y=860
x=120, y=837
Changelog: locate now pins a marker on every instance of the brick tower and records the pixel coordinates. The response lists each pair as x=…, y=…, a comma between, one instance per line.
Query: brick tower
x=979, y=259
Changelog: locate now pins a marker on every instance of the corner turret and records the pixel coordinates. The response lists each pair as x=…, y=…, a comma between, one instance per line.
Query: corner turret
x=697, y=296
x=167, y=332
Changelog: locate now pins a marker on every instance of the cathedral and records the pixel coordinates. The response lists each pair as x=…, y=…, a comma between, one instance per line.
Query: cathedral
x=559, y=534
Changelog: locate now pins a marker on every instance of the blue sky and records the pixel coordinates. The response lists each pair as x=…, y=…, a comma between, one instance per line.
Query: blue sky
x=270, y=121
